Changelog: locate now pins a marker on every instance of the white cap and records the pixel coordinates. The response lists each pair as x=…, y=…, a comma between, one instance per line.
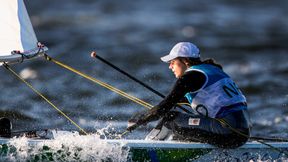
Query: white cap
x=182, y=49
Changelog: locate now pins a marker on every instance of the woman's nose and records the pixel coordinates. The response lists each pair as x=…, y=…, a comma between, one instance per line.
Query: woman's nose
x=170, y=66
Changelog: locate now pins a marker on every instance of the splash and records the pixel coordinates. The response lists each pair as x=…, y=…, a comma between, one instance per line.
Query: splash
x=66, y=147
x=28, y=73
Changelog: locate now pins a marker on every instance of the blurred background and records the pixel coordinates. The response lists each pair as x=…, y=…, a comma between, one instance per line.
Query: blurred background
x=249, y=38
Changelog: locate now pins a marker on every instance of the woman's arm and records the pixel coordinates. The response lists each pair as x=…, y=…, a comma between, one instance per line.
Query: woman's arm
x=189, y=82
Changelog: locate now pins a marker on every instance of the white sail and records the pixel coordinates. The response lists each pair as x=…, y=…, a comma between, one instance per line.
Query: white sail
x=16, y=31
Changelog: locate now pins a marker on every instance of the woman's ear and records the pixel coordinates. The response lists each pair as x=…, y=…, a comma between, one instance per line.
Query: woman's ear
x=186, y=62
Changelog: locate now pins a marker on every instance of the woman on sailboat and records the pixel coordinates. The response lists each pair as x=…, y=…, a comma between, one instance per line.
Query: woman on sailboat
x=220, y=113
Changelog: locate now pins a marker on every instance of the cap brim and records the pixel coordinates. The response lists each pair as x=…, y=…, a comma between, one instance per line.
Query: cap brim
x=167, y=58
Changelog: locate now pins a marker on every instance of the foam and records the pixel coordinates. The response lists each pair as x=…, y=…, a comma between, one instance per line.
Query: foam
x=65, y=147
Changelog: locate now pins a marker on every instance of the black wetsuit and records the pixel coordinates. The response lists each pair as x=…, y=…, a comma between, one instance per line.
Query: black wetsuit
x=209, y=130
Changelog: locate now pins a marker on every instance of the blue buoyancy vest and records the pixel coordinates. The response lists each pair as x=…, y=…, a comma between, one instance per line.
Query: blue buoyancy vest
x=220, y=95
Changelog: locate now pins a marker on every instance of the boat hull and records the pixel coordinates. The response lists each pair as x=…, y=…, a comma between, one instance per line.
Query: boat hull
x=178, y=151
x=140, y=150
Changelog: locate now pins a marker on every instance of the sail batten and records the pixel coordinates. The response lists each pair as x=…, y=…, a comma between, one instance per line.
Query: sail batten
x=16, y=30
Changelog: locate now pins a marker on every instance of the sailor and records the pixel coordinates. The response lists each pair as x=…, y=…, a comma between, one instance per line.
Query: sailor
x=220, y=114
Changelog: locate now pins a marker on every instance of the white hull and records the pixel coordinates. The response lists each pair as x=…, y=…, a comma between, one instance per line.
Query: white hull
x=141, y=150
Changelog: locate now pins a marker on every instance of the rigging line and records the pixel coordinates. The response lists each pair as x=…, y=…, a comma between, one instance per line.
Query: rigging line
x=128, y=75
x=122, y=134
x=43, y=97
x=184, y=103
x=93, y=54
x=222, y=121
x=275, y=139
x=132, y=98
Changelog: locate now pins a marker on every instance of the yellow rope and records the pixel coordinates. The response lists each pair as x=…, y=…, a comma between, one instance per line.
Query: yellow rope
x=222, y=121
x=30, y=86
x=135, y=99
x=184, y=103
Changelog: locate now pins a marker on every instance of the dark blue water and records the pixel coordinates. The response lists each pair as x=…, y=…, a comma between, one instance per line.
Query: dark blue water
x=248, y=38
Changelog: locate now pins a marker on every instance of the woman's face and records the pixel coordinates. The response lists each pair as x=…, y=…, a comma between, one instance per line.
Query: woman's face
x=177, y=67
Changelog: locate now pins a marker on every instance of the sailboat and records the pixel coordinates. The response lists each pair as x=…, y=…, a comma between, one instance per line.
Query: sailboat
x=19, y=43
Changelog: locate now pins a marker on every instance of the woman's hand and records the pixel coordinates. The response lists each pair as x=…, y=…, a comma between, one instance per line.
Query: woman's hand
x=135, y=121
x=132, y=124
x=142, y=118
